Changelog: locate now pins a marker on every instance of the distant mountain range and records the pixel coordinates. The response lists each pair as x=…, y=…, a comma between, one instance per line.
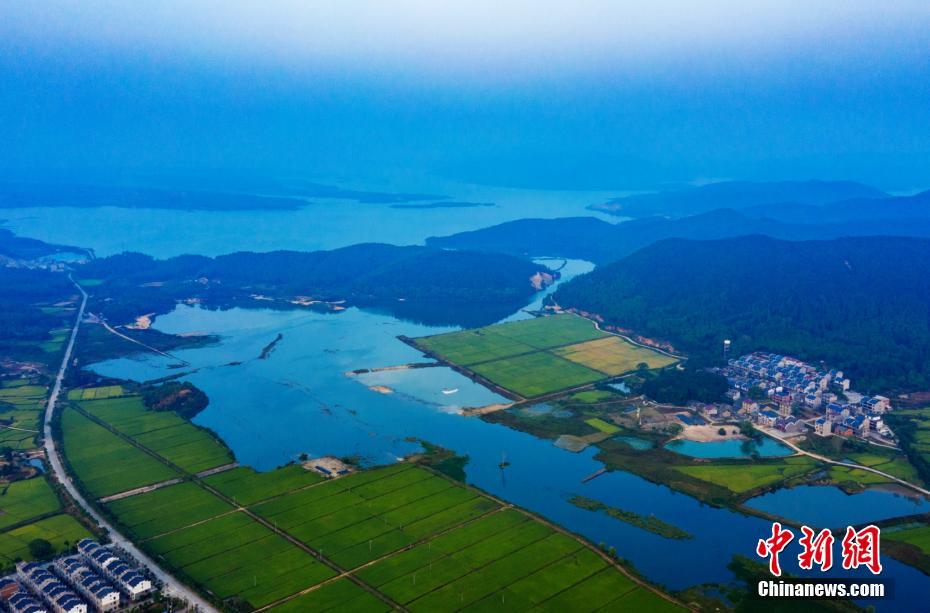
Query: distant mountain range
x=846, y=211
x=861, y=304
x=600, y=242
x=736, y=195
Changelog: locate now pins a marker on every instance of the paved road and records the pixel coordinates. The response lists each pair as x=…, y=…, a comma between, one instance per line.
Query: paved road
x=172, y=587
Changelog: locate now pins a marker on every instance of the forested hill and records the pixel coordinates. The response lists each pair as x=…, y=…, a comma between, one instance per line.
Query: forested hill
x=600, y=242
x=860, y=304
x=412, y=280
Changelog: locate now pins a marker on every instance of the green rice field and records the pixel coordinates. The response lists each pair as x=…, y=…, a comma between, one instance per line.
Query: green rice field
x=743, y=477
x=535, y=374
x=538, y=356
x=503, y=340
x=405, y=533
x=166, y=433
x=247, y=486
x=341, y=595
x=917, y=535
x=602, y=425
x=166, y=509
x=234, y=556
x=22, y=501
x=21, y=408
x=105, y=463
x=435, y=544
x=96, y=393
x=62, y=531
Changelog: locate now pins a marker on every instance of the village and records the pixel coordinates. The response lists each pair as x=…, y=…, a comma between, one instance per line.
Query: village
x=785, y=394
x=95, y=579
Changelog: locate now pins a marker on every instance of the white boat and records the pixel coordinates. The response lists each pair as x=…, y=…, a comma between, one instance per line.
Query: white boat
x=452, y=391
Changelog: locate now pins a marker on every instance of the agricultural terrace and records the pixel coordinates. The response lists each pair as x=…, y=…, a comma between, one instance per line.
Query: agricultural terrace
x=21, y=407
x=538, y=356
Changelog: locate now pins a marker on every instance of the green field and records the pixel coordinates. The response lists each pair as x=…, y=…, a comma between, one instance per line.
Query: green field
x=96, y=393
x=591, y=396
x=62, y=531
x=535, y=374
x=537, y=356
x=842, y=474
x=166, y=509
x=341, y=595
x=504, y=340
x=897, y=466
x=409, y=533
x=105, y=463
x=602, y=425
x=247, y=486
x=916, y=535
x=22, y=501
x=744, y=477
x=166, y=433
x=21, y=407
x=913, y=429
x=435, y=544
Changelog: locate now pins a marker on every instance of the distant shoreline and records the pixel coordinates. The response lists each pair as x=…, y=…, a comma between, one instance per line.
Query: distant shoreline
x=444, y=205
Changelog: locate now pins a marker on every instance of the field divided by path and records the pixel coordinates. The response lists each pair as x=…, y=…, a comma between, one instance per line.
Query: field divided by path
x=21, y=407
x=289, y=540
x=30, y=510
x=166, y=433
x=534, y=357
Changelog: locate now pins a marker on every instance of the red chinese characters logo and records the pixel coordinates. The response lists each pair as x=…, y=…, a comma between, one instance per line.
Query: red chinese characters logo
x=774, y=545
x=816, y=549
x=859, y=548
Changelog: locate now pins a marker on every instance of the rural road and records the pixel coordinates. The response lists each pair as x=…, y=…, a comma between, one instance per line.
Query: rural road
x=172, y=587
x=816, y=456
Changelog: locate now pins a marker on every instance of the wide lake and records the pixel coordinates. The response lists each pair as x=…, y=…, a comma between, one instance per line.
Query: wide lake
x=322, y=224
x=300, y=400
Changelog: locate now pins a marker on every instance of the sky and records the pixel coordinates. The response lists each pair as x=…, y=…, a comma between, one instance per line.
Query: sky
x=584, y=94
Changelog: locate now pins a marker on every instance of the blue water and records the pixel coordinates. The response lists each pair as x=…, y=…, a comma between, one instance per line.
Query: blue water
x=324, y=224
x=300, y=400
x=831, y=507
x=731, y=448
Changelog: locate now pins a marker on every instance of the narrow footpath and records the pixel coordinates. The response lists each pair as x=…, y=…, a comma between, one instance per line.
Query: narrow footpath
x=172, y=587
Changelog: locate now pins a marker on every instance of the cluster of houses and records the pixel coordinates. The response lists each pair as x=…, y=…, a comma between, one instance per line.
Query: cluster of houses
x=772, y=389
x=96, y=579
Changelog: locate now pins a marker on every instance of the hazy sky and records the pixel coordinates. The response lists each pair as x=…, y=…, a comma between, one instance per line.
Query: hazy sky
x=564, y=94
